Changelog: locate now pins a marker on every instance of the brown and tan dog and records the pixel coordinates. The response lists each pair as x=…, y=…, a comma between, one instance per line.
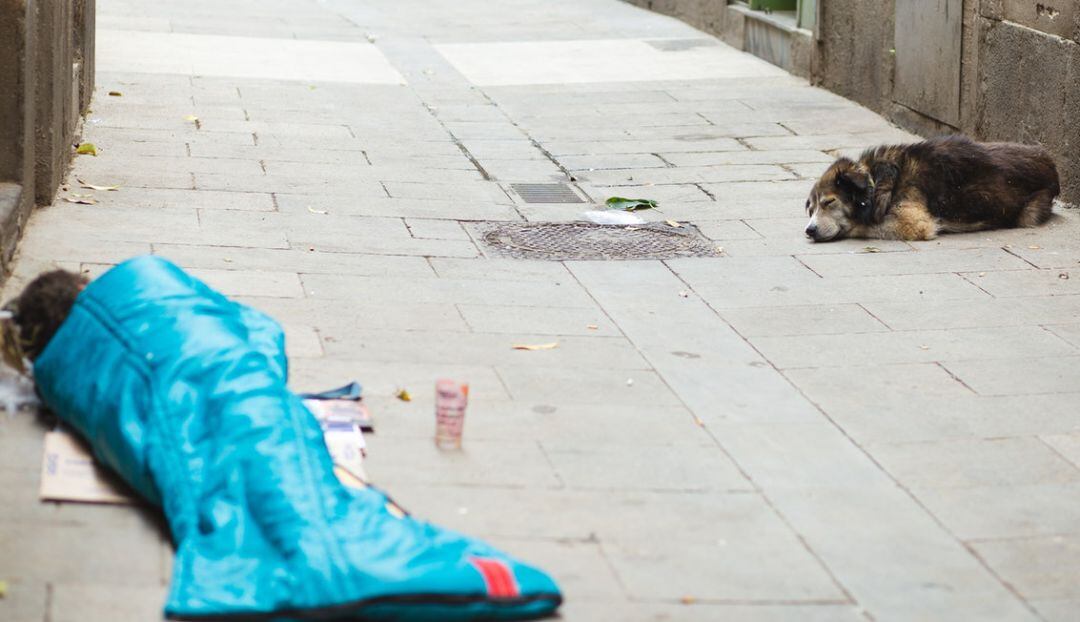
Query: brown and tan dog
x=942, y=185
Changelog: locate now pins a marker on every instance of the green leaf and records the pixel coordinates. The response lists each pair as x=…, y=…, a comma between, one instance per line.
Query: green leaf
x=86, y=149
x=630, y=205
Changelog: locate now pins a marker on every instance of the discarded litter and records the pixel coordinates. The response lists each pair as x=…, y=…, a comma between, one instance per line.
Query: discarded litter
x=191, y=118
x=88, y=186
x=630, y=205
x=592, y=326
x=673, y=224
x=86, y=149
x=451, y=398
x=403, y=395
x=538, y=346
x=613, y=217
x=629, y=382
x=684, y=294
x=871, y=249
x=115, y=94
x=1064, y=276
x=317, y=211
x=3, y=589
x=16, y=391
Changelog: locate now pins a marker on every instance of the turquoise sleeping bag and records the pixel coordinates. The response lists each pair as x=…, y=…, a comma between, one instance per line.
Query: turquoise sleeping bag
x=183, y=393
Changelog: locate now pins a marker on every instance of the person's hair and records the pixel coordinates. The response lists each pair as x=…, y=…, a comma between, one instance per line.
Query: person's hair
x=42, y=307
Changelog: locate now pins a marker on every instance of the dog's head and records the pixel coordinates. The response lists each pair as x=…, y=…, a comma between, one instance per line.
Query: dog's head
x=840, y=200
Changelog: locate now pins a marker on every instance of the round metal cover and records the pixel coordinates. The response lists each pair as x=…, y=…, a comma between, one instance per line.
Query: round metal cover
x=577, y=240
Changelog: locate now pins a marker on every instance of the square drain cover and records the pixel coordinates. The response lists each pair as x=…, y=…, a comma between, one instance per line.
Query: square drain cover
x=546, y=193
x=560, y=241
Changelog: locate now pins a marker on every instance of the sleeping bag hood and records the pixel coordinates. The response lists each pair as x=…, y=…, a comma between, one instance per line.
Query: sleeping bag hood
x=183, y=393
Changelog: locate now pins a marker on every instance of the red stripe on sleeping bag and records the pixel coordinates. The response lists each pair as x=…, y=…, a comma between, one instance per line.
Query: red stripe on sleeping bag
x=497, y=577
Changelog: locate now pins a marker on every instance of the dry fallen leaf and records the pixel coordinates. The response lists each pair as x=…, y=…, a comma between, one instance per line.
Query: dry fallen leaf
x=317, y=211
x=403, y=395
x=540, y=346
x=699, y=422
x=871, y=249
x=673, y=224
x=688, y=600
x=3, y=589
x=1034, y=247
x=115, y=94
x=81, y=200
x=96, y=187
x=86, y=149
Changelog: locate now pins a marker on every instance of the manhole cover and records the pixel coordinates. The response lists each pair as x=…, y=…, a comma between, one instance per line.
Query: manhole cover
x=678, y=45
x=578, y=240
x=546, y=193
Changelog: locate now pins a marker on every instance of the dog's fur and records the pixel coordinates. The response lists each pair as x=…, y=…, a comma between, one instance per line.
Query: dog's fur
x=42, y=307
x=942, y=185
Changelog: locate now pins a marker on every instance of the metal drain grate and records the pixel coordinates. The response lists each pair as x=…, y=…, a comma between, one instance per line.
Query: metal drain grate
x=546, y=193
x=678, y=45
x=576, y=240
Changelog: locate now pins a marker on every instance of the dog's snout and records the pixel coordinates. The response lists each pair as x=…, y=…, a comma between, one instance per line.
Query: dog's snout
x=811, y=231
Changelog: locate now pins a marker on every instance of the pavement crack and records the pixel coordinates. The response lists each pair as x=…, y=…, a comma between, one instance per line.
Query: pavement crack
x=666, y=162
x=955, y=377
x=1009, y=250
x=701, y=187
x=457, y=141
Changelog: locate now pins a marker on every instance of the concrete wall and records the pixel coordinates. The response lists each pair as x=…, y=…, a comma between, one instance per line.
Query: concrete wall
x=1019, y=67
x=46, y=79
x=17, y=34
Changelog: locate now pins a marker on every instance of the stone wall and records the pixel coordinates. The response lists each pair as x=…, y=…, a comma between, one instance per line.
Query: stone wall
x=1019, y=67
x=46, y=80
x=1028, y=84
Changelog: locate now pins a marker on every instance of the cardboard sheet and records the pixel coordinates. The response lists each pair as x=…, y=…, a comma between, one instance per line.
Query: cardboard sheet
x=70, y=473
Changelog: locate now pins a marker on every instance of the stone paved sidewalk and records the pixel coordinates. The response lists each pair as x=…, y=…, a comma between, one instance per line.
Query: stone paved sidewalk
x=812, y=432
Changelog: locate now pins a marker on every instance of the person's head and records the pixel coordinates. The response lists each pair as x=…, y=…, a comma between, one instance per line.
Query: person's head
x=42, y=307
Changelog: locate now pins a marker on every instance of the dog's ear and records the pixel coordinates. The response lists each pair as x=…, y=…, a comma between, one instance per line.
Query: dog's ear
x=853, y=179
